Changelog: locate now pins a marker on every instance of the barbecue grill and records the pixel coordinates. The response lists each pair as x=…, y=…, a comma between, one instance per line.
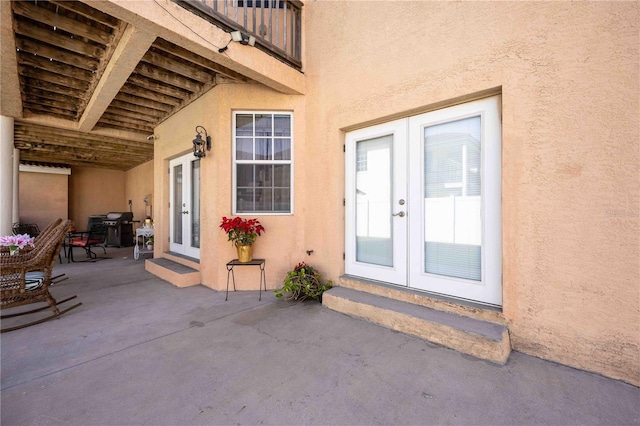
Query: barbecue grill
x=119, y=229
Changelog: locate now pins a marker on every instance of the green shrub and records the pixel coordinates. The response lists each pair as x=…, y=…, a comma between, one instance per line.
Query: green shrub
x=303, y=282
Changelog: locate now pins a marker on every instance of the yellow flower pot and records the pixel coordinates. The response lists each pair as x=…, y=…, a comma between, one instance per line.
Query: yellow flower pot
x=245, y=252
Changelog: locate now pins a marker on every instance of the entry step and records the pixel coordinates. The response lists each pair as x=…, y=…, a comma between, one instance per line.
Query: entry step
x=482, y=339
x=177, y=274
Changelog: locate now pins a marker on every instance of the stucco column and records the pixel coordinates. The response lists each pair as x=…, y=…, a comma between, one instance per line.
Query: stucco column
x=15, y=211
x=6, y=174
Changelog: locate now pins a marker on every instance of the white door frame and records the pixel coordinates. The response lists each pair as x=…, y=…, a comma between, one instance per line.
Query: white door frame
x=409, y=231
x=488, y=289
x=186, y=214
x=397, y=272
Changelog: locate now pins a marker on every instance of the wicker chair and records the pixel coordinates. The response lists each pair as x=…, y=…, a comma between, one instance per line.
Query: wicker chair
x=25, y=278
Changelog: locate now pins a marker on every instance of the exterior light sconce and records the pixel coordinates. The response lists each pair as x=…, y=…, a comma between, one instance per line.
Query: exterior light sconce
x=242, y=38
x=199, y=143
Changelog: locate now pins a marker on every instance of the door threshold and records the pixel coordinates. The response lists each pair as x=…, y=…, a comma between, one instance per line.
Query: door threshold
x=182, y=256
x=422, y=293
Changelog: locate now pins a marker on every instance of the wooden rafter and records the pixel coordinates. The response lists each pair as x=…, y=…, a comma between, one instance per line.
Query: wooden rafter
x=63, y=48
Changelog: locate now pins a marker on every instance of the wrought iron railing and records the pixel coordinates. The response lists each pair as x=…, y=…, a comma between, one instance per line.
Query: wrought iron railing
x=275, y=24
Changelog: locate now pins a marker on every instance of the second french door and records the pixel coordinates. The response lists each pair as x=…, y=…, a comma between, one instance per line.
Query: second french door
x=185, y=206
x=423, y=201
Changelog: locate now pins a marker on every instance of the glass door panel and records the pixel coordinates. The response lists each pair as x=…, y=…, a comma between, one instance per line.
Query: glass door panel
x=376, y=228
x=455, y=247
x=177, y=204
x=374, y=241
x=185, y=206
x=195, y=204
x=452, y=199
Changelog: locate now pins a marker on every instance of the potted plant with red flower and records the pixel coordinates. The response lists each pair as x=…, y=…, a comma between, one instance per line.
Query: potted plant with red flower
x=243, y=233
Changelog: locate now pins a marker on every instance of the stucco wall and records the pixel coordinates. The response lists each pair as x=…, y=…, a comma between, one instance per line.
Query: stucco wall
x=94, y=192
x=568, y=74
x=138, y=185
x=43, y=197
x=283, y=241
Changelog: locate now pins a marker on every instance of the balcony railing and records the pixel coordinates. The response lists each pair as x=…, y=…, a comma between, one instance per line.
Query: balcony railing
x=275, y=24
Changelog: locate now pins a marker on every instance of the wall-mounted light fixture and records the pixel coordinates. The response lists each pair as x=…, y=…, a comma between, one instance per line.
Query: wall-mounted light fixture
x=199, y=143
x=242, y=38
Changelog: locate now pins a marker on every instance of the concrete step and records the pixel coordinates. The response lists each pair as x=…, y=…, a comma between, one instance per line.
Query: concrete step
x=477, y=337
x=182, y=259
x=176, y=273
x=429, y=300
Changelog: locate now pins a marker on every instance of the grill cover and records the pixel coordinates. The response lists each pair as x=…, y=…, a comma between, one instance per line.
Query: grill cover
x=119, y=229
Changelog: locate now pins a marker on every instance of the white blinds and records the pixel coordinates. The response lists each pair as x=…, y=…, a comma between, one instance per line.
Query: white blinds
x=374, y=243
x=452, y=199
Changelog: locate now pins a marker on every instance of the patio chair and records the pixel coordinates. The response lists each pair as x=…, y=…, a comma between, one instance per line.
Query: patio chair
x=95, y=237
x=26, y=228
x=25, y=278
x=33, y=231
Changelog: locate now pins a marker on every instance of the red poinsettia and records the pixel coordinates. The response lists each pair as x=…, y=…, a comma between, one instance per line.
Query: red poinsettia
x=242, y=231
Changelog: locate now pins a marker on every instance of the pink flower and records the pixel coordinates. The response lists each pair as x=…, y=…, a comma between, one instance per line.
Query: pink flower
x=20, y=241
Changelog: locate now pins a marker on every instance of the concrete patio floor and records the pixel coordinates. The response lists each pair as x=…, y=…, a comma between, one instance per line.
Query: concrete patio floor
x=142, y=352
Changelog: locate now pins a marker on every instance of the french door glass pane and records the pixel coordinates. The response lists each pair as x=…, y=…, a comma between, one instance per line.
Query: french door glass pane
x=195, y=204
x=373, y=201
x=452, y=199
x=177, y=204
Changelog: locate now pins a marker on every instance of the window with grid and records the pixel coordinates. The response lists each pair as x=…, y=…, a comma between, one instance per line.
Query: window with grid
x=262, y=158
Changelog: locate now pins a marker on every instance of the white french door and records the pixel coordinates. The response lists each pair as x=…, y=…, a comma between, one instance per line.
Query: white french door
x=184, y=224
x=423, y=202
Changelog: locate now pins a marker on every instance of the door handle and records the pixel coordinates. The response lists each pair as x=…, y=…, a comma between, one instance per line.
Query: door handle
x=185, y=212
x=401, y=214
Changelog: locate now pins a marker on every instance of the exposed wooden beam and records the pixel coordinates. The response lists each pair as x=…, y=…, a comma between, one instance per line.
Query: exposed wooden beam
x=115, y=124
x=186, y=70
x=43, y=109
x=53, y=103
x=54, y=66
x=114, y=115
x=75, y=45
x=59, y=55
x=156, y=86
x=166, y=77
x=37, y=129
x=55, y=88
x=129, y=107
x=88, y=12
x=143, y=102
x=51, y=77
x=133, y=90
x=42, y=14
x=197, y=59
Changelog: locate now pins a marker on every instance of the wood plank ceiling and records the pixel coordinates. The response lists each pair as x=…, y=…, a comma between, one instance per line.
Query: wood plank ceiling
x=63, y=48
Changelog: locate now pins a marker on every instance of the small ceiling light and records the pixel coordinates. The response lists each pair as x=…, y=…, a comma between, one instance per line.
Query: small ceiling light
x=199, y=143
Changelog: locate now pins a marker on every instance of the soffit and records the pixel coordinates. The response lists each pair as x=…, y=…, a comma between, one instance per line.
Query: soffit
x=98, y=80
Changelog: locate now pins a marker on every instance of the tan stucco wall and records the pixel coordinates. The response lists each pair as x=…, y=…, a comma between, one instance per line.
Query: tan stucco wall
x=138, y=185
x=568, y=74
x=94, y=192
x=568, y=78
x=283, y=242
x=43, y=197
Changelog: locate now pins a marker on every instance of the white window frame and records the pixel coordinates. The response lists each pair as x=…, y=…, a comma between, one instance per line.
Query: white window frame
x=235, y=163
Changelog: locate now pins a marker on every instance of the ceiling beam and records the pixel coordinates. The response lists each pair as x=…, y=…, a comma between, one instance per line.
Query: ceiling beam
x=132, y=47
x=10, y=99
